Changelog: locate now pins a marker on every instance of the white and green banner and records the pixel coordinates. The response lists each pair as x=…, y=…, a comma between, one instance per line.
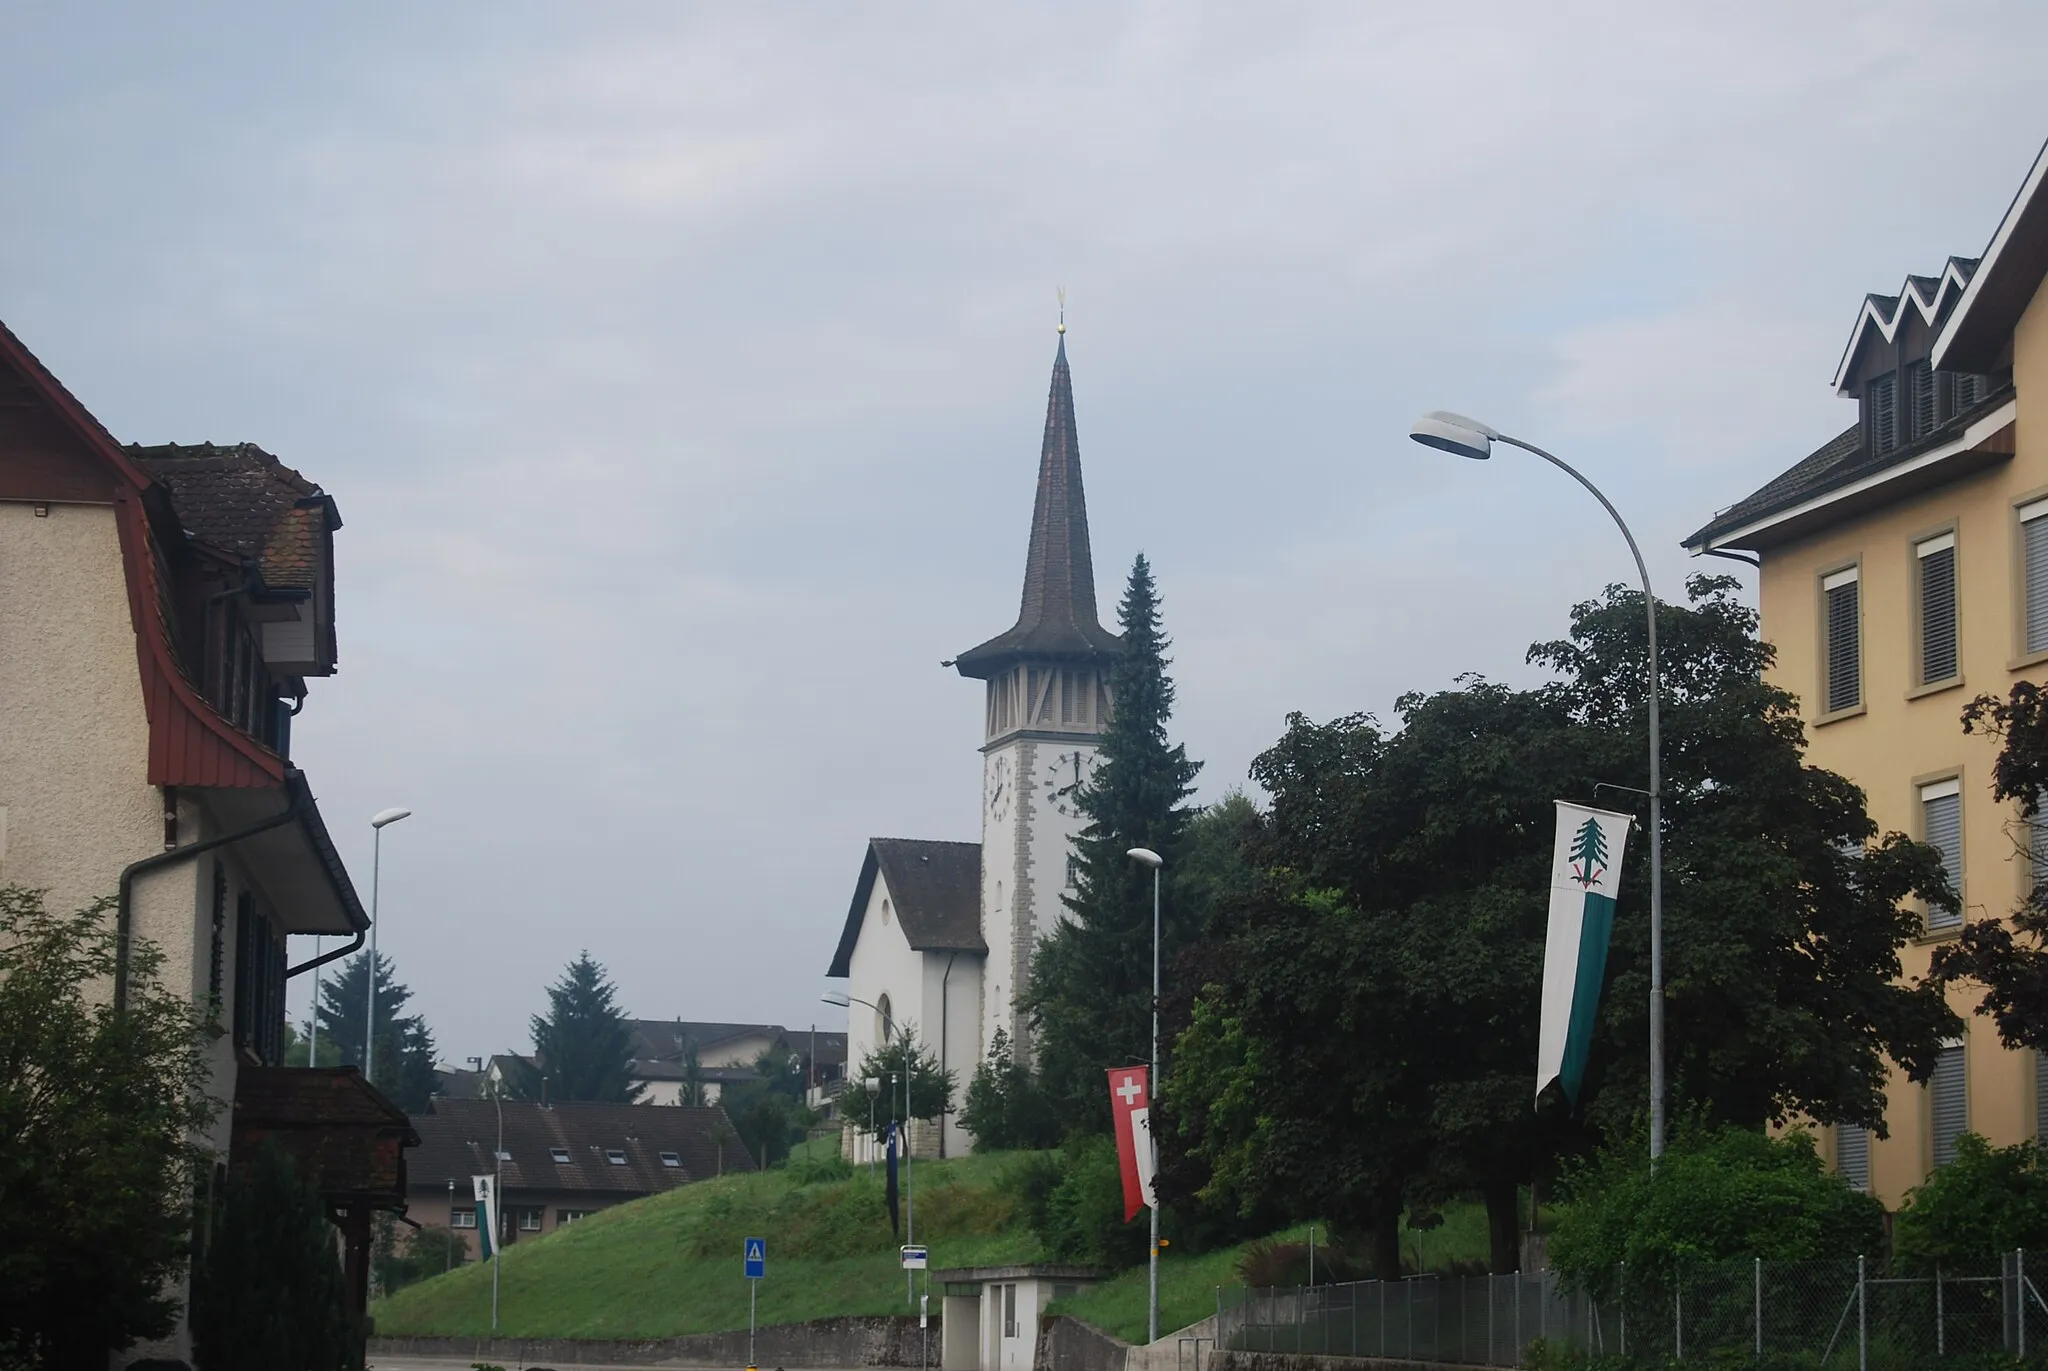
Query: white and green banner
x=1585, y=873
x=486, y=1213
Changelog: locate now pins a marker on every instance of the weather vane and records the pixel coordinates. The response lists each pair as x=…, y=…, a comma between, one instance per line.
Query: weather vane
x=1063, y=309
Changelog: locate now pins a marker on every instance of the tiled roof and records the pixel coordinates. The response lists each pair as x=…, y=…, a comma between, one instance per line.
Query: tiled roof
x=458, y=1139
x=339, y=1131
x=1836, y=463
x=1057, y=617
x=241, y=500
x=936, y=888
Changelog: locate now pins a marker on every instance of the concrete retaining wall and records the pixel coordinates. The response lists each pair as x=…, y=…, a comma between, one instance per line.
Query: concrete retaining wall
x=891, y=1340
x=1295, y=1361
x=1067, y=1344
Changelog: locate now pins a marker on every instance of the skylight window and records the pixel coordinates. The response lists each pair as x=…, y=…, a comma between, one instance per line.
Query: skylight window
x=671, y=1159
x=503, y=1155
x=560, y=1154
x=615, y=1156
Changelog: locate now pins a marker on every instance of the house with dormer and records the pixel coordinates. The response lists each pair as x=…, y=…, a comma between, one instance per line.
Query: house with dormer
x=163, y=613
x=1904, y=571
x=939, y=935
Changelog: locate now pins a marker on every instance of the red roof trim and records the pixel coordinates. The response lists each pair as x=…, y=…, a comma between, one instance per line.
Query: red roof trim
x=67, y=407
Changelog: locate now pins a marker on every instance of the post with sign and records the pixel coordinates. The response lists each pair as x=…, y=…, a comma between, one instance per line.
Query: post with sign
x=918, y=1257
x=756, y=1265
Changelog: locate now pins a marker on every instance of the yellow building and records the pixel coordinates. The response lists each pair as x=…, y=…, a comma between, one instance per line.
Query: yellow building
x=1904, y=571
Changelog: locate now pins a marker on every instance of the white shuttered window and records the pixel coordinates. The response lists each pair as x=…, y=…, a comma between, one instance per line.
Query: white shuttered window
x=1949, y=1100
x=1843, y=645
x=1941, y=828
x=2034, y=570
x=1852, y=1154
x=1936, y=559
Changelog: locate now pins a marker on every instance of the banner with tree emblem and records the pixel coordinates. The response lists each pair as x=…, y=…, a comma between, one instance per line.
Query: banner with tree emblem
x=1585, y=873
x=486, y=1190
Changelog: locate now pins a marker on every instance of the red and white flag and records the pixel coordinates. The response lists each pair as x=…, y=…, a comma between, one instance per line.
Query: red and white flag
x=1130, y=1099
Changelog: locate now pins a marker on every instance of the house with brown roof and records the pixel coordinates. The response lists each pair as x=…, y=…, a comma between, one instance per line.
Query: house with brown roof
x=163, y=611
x=938, y=936
x=559, y=1163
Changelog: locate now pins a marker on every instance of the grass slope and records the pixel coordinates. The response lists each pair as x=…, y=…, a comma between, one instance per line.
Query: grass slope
x=670, y=1264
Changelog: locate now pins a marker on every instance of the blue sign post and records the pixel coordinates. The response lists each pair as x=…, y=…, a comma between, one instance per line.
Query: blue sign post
x=754, y=1258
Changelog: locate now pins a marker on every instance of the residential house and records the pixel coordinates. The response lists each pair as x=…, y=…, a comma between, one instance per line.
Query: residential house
x=1904, y=571
x=162, y=613
x=558, y=1163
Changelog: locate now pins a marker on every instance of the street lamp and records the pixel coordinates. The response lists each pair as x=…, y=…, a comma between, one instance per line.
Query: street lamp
x=841, y=1000
x=377, y=824
x=873, y=1087
x=1470, y=438
x=1145, y=856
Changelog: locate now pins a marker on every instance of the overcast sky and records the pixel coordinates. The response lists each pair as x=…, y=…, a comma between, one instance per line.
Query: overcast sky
x=679, y=373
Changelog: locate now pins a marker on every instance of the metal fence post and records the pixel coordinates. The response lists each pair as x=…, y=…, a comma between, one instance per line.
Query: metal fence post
x=1759, y=1308
x=1621, y=1307
x=2019, y=1261
x=1862, y=1320
x=1940, y=1319
x=1518, y=1317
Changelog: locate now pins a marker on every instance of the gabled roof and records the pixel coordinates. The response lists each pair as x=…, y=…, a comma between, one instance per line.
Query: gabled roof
x=1928, y=297
x=1978, y=333
x=1057, y=615
x=458, y=1139
x=662, y=1039
x=1842, y=470
x=241, y=500
x=935, y=888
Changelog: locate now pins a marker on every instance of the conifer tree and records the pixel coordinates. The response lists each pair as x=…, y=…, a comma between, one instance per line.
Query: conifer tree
x=582, y=1046
x=405, y=1046
x=1091, y=982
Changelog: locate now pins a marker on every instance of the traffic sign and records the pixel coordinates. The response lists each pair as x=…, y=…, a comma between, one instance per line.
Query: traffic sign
x=916, y=1258
x=757, y=1258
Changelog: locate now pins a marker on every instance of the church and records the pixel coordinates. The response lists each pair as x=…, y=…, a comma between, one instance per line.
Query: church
x=939, y=935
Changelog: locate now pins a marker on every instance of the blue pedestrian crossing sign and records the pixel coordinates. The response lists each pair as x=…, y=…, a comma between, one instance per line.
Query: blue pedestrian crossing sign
x=757, y=1258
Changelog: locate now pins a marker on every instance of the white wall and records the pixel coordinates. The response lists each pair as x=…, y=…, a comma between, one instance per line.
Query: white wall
x=882, y=964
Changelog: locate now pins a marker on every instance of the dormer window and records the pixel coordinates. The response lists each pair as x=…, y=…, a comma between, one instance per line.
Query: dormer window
x=1881, y=412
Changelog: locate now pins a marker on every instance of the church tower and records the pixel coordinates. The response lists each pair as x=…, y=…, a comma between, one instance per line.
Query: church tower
x=1047, y=682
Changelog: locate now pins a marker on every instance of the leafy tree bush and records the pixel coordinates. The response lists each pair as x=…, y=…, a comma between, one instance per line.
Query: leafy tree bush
x=1987, y=1201
x=1075, y=1203
x=1005, y=1108
x=1718, y=1193
x=768, y=1112
x=930, y=1087
x=270, y=1294
x=403, y=1256
x=97, y=1111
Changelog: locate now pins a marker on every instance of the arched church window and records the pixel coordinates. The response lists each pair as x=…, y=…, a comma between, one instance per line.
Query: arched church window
x=885, y=1018
x=885, y=913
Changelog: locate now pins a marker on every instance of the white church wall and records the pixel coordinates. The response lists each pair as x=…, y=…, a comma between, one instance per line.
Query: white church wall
x=957, y=1001
x=882, y=963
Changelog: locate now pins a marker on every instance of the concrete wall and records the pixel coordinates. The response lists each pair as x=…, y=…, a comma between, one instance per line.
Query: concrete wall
x=1906, y=734
x=848, y=1342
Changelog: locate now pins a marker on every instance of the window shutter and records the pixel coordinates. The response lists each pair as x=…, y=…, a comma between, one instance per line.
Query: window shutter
x=1969, y=390
x=1949, y=1098
x=1920, y=396
x=2040, y=1097
x=2037, y=844
x=1852, y=1154
x=1937, y=609
x=2034, y=534
x=1881, y=412
x=1941, y=808
x=1844, y=645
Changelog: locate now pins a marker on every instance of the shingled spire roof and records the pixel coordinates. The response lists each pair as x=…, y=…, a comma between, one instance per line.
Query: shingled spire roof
x=1057, y=617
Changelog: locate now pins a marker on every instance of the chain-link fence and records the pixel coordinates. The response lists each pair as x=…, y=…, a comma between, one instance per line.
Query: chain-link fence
x=1845, y=1315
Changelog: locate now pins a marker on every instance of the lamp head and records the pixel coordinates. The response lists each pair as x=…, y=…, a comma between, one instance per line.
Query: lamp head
x=1450, y=432
x=837, y=998
x=1147, y=856
x=388, y=816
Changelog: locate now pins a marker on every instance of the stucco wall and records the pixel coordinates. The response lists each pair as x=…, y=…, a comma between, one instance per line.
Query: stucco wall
x=884, y=964
x=1905, y=735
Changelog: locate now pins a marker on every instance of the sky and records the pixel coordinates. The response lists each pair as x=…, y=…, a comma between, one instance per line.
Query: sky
x=679, y=372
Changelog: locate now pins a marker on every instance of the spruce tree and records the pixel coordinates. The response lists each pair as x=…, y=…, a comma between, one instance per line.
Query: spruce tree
x=405, y=1046
x=1091, y=982
x=582, y=1046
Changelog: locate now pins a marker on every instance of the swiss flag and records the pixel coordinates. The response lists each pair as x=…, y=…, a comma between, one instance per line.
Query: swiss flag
x=1130, y=1098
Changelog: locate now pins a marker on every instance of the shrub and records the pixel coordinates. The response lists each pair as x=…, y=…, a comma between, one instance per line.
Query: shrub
x=1987, y=1201
x=1005, y=1108
x=1075, y=1202
x=1717, y=1193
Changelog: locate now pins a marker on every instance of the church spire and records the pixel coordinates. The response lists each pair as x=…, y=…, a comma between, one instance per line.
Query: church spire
x=1057, y=617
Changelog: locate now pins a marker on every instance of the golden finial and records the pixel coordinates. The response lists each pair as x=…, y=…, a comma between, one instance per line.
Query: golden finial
x=1063, y=309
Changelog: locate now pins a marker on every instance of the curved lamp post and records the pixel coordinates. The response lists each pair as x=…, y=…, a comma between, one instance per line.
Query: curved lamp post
x=1469, y=438
x=1145, y=856
x=378, y=821
x=840, y=999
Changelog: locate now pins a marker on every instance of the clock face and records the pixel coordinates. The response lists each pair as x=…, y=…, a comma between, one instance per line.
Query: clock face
x=1065, y=775
x=1001, y=788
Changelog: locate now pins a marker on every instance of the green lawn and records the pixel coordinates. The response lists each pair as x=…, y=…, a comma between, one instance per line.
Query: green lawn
x=670, y=1264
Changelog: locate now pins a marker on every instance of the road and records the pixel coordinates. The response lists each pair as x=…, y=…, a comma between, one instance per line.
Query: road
x=418, y=1363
